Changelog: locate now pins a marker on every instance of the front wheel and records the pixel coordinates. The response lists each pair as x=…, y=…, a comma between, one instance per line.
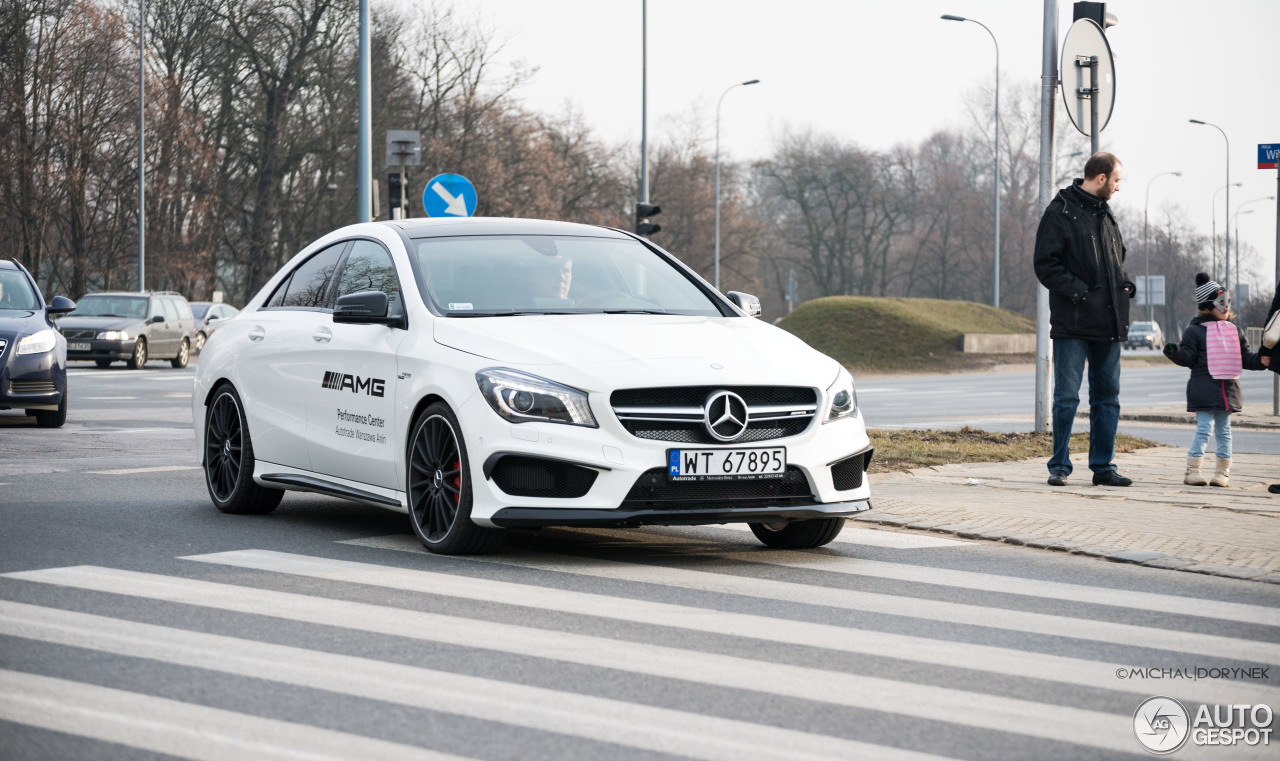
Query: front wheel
x=439, y=487
x=228, y=459
x=184, y=353
x=798, y=535
x=200, y=339
x=139, y=357
x=54, y=418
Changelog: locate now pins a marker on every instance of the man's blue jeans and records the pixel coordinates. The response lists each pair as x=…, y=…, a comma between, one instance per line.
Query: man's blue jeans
x=1069, y=357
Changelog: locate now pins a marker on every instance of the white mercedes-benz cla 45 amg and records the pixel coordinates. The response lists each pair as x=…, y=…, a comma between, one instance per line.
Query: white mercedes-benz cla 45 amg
x=492, y=374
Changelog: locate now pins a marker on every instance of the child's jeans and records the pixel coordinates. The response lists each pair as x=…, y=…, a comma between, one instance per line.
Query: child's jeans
x=1221, y=422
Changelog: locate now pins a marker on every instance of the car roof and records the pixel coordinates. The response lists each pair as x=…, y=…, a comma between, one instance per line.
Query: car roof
x=445, y=226
x=5, y=264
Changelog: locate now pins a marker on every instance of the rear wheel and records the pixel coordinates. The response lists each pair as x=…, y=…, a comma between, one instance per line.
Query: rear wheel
x=200, y=338
x=798, y=535
x=184, y=353
x=139, y=356
x=439, y=487
x=228, y=459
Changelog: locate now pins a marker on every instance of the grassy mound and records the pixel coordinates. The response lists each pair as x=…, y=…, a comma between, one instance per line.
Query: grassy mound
x=866, y=333
x=904, y=450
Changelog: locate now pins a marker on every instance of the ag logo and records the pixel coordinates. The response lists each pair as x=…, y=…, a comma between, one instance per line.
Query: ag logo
x=725, y=416
x=1161, y=724
x=358, y=385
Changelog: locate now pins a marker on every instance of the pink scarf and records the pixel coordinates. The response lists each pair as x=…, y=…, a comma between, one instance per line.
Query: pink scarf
x=1223, y=342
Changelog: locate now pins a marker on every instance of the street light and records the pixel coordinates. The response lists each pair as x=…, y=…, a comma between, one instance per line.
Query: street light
x=1227, y=255
x=1241, y=210
x=718, y=104
x=995, y=287
x=1147, y=246
x=1214, y=217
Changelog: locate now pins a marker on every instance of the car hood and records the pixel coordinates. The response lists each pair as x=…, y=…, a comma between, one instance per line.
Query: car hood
x=100, y=323
x=14, y=322
x=650, y=344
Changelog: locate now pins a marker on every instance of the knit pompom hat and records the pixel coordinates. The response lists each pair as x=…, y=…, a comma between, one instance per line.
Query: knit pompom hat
x=1207, y=291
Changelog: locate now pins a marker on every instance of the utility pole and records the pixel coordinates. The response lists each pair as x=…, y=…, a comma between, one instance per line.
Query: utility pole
x=142, y=144
x=1048, y=91
x=364, y=161
x=644, y=101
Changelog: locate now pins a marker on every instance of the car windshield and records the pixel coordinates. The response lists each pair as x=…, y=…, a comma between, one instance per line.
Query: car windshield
x=502, y=275
x=16, y=291
x=1141, y=327
x=101, y=305
x=198, y=309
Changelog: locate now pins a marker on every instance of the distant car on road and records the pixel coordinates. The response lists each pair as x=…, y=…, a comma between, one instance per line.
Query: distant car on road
x=134, y=327
x=33, y=354
x=209, y=315
x=1144, y=335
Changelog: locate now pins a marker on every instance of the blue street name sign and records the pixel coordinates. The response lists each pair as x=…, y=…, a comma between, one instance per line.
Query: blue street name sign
x=449, y=195
x=1267, y=155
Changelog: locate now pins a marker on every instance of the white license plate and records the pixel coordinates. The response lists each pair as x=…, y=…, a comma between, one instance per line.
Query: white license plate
x=78, y=346
x=726, y=464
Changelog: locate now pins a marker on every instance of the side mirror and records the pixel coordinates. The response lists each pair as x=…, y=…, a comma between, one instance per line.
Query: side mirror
x=364, y=308
x=746, y=302
x=211, y=318
x=60, y=306
x=156, y=318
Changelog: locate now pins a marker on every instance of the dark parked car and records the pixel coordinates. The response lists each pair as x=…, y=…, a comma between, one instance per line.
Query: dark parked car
x=33, y=354
x=133, y=327
x=209, y=315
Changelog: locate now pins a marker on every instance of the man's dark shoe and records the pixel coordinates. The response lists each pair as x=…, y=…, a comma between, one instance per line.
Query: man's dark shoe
x=1274, y=488
x=1058, y=478
x=1110, y=478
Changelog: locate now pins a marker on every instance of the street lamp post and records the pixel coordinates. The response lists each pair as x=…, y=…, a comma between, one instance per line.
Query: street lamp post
x=142, y=140
x=1214, y=218
x=1236, y=219
x=1147, y=246
x=995, y=258
x=718, y=104
x=1227, y=255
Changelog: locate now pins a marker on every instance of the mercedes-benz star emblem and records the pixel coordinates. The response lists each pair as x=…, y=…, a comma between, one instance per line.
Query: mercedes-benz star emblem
x=725, y=416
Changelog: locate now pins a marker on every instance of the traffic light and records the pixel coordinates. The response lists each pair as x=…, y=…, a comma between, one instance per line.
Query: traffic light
x=1097, y=12
x=643, y=212
x=395, y=190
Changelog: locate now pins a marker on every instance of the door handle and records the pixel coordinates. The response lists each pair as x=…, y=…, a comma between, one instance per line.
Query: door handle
x=322, y=335
x=257, y=334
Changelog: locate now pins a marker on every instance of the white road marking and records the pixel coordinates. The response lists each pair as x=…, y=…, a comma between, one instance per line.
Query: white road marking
x=1010, y=662
x=181, y=729
x=1128, y=635
x=917, y=701
x=131, y=471
x=661, y=730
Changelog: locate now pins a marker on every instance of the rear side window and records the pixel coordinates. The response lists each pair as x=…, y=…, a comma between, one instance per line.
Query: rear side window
x=308, y=288
x=184, y=309
x=369, y=268
x=170, y=311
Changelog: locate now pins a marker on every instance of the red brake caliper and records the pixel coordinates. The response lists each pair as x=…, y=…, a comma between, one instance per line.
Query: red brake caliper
x=457, y=482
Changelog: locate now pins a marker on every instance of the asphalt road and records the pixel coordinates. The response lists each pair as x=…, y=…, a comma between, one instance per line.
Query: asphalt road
x=137, y=622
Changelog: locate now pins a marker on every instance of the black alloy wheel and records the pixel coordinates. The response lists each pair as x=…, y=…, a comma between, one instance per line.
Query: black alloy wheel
x=139, y=357
x=798, y=535
x=228, y=459
x=439, y=487
x=184, y=353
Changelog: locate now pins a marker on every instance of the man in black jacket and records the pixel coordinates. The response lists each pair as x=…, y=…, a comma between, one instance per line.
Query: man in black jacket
x=1080, y=258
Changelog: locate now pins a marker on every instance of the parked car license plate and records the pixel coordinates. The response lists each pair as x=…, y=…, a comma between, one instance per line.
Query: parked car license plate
x=78, y=346
x=726, y=464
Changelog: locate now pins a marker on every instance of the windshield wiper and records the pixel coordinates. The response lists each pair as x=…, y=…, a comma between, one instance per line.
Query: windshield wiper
x=511, y=313
x=635, y=311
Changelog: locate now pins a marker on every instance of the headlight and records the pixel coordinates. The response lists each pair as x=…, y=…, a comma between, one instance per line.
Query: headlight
x=114, y=335
x=843, y=396
x=523, y=398
x=38, y=343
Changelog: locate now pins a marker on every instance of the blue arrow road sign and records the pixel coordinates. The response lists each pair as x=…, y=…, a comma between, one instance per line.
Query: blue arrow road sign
x=1267, y=155
x=449, y=195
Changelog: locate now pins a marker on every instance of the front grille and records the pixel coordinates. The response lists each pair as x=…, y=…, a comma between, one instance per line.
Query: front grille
x=847, y=474
x=522, y=476
x=32, y=387
x=78, y=333
x=653, y=491
x=677, y=413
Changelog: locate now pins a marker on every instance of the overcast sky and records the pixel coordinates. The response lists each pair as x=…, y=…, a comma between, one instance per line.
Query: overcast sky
x=884, y=72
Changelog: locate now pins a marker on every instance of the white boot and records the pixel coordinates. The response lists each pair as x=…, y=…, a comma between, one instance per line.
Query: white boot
x=1222, y=475
x=1194, y=476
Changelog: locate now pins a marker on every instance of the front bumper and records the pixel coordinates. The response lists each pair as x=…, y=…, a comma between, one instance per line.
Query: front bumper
x=31, y=381
x=102, y=349
x=628, y=485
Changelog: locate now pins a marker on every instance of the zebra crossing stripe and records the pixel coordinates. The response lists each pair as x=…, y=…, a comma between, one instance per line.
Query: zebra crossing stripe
x=606, y=720
x=186, y=730
x=834, y=561
x=1079, y=726
x=1108, y=632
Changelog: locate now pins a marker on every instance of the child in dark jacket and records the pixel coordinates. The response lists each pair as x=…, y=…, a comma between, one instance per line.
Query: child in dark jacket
x=1215, y=349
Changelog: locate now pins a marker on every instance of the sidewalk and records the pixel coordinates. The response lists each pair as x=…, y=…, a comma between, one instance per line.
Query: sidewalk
x=1256, y=415
x=1158, y=522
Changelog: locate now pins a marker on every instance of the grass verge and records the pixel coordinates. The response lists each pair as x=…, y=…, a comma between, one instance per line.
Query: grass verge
x=904, y=450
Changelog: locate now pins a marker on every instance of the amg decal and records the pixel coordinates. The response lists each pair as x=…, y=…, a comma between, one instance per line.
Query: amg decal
x=339, y=381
